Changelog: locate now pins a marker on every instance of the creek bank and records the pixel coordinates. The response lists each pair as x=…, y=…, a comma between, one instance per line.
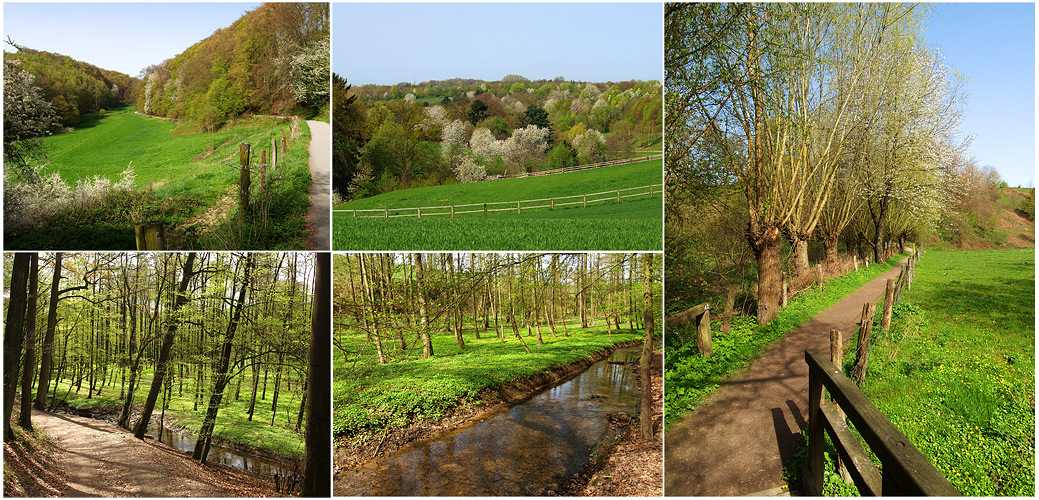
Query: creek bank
x=348, y=456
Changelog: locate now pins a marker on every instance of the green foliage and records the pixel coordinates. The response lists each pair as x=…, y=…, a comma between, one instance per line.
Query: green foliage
x=368, y=397
x=477, y=112
x=690, y=378
x=74, y=87
x=956, y=372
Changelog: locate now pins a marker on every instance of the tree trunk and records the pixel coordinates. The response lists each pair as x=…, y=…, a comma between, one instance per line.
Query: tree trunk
x=47, y=351
x=767, y=250
x=13, y=335
x=801, y=265
x=220, y=378
x=25, y=418
x=319, y=375
x=164, y=351
x=645, y=380
x=427, y=342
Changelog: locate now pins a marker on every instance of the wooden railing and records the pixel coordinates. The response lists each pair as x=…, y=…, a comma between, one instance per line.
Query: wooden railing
x=518, y=206
x=589, y=166
x=905, y=471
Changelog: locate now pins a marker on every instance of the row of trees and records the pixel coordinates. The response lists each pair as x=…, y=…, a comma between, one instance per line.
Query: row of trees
x=399, y=301
x=274, y=59
x=806, y=122
x=204, y=324
x=481, y=130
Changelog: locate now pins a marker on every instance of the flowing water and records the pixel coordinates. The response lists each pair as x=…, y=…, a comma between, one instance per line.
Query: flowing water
x=222, y=455
x=529, y=448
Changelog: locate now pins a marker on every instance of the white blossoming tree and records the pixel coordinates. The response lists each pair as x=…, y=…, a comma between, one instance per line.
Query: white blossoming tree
x=591, y=146
x=468, y=170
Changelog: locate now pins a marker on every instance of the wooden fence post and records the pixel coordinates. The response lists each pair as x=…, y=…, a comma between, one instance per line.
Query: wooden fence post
x=553, y=202
x=386, y=212
x=452, y=211
x=419, y=212
x=263, y=169
x=812, y=481
x=274, y=153
x=730, y=304
x=584, y=200
x=150, y=236
x=703, y=334
x=889, y=296
x=355, y=213
x=518, y=209
x=618, y=196
x=855, y=261
x=651, y=191
x=819, y=275
x=243, y=182
x=485, y=210
x=786, y=289
x=858, y=373
x=284, y=145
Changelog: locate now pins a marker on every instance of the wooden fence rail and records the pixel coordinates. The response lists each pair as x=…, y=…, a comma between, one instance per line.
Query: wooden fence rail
x=578, y=168
x=518, y=206
x=904, y=470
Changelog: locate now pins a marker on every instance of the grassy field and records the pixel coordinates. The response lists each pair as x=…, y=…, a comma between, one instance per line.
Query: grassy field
x=956, y=372
x=184, y=180
x=231, y=423
x=629, y=225
x=369, y=397
x=691, y=378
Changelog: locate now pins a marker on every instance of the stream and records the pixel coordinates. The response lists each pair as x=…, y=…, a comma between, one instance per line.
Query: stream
x=528, y=448
x=223, y=455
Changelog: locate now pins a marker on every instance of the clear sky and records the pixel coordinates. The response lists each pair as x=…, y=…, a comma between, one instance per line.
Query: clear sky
x=993, y=46
x=124, y=37
x=401, y=42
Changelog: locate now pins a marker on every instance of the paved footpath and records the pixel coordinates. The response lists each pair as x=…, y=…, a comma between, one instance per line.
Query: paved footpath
x=320, y=175
x=737, y=441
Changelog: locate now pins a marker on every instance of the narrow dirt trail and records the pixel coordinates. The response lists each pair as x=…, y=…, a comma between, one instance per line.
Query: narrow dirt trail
x=320, y=185
x=100, y=459
x=737, y=442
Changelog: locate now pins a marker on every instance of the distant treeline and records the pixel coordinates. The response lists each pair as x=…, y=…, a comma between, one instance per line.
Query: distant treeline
x=272, y=60
x=75, y=87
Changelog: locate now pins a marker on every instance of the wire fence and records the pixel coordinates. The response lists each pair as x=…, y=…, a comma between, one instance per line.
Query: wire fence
x=518, y=206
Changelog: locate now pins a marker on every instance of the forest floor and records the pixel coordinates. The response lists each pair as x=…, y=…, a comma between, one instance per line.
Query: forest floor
x=83, y=457
x=635, y=468
x=319, y=218
x=738, y=441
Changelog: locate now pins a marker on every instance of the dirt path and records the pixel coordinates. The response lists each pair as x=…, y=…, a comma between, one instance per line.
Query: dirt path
x=101, y=459
x=737, y=441
x=320, y=185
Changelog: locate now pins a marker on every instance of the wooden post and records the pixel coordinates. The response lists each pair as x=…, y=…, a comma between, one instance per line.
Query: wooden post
x=452, y=211
x=419, y=212
x=855, y=261
x=786, y=290
x=703, y=334
x=618, y=196
x=858, y=373
x=819, y=275
x=812, y=481
x=889, y=297
x=553, y=202
x=150, y=236
x=263, y=169
x=651, y=191
x=243, y=182
x=837, y=358
x=518, y=209
x=284, y=145
x=355, y=213
x=730, y=304
x=485, y=210
x=584, y=200
x=386, y=212
x=274, y=153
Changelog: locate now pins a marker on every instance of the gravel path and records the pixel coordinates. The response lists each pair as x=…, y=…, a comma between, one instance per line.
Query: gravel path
x=320, y=185
x=100, y=459
x=737, y=442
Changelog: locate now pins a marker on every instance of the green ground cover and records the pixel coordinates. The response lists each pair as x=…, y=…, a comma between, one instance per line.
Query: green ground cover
x=369, y=397
x=691, y=378
x=231, y=425
x=956, y=372
x=575, y=183
x=629, y=226
x=183, y=180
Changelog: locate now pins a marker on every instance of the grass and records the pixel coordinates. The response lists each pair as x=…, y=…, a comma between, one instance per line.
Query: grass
x=231, y=424
x=184, y=179
x=956, y=372
x=629, y=226
x=691, y=378
x=369, y=397
x=574, y=183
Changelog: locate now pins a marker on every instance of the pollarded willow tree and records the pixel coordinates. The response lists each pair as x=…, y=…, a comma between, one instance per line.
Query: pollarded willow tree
x=778, y=107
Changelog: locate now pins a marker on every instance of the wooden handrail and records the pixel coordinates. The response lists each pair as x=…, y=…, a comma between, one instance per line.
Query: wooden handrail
x=905, y=471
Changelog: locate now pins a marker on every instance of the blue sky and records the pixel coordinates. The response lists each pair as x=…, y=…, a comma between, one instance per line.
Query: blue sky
x=125, y=37
x=993, y=47
x=400, y=42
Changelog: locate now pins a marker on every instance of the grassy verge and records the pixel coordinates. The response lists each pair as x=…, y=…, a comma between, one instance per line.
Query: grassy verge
x=183, y=179
x=369, y=398
x=232, y=424
x=631, y=225
x=956, y=372
x=690, y=378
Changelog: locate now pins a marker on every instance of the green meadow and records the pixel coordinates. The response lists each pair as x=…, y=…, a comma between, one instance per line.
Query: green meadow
x=631, y=224
x=956, y=372
x=185, y=178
